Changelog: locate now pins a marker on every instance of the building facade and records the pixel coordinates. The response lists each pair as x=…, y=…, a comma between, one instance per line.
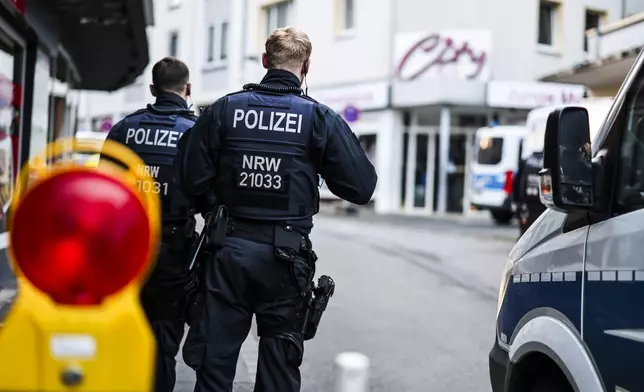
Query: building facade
x=414, y=80
x=49, y=52
x=612, y=49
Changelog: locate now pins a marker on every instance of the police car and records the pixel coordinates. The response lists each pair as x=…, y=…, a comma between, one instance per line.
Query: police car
x=571, y=312
x=496, y=158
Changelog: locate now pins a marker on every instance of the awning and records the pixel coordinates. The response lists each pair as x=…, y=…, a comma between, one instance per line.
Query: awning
x=604, y=73
x=106, y=39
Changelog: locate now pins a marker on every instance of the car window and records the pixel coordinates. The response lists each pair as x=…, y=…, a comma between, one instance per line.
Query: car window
x=630, y=190
x=490, y=150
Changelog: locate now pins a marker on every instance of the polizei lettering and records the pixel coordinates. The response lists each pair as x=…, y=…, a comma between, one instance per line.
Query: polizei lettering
x=268, y=121
x=157, y=137
x=259, y=172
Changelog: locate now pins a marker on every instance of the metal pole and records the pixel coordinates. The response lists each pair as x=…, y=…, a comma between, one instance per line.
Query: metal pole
x=443, y=156
x=352, y=372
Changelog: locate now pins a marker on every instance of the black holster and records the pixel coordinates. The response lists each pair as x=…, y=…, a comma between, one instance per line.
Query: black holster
x=316, y=305
x=204, y=249
x=314, y=298
x=177, y=236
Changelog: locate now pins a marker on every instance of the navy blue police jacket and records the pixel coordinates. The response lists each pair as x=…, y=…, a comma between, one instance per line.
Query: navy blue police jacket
x=154, y=133
x=261, y=153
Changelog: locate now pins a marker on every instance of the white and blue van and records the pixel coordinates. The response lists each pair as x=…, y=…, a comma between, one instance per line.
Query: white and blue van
x=570, y=315
x=496, y=157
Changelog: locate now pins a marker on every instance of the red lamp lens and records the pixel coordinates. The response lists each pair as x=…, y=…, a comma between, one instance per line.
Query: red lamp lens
x=509, y=178
x=80, y=236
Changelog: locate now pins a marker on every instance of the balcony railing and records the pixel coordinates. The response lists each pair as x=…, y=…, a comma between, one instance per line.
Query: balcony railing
x=618, y=39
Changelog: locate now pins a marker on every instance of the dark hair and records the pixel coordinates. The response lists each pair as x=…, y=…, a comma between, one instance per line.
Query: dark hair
x=170, y=74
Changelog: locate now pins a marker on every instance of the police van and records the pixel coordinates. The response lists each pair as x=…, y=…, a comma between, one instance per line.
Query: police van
x=496, y=157
x=571, y=313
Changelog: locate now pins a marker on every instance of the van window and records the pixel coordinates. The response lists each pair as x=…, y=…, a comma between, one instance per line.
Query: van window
x=490, y=150
x=630, y=194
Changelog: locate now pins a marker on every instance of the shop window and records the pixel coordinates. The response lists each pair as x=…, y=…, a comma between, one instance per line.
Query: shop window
x=11, y=64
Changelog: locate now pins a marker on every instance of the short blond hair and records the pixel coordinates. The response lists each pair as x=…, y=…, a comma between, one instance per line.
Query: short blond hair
x=288, y=47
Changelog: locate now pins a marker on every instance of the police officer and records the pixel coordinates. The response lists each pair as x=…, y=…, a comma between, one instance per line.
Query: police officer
x=260, y=153
x=153, y=133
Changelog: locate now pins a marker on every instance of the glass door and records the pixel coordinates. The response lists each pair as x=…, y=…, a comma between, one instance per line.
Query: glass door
x=419, y=172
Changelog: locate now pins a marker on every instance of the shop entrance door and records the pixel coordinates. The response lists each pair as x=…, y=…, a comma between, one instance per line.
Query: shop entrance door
x=421, y=170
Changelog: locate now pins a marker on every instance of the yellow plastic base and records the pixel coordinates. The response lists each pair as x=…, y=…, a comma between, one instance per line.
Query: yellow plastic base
x=111, y=346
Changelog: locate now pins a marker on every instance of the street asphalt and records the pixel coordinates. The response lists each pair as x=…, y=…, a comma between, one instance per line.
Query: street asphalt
x=418, y=296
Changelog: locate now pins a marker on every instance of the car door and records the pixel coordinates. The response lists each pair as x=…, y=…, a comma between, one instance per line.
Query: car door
x=613, y=310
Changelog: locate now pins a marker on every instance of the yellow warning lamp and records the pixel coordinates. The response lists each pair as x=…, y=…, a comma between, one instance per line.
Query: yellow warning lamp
x=82, y=241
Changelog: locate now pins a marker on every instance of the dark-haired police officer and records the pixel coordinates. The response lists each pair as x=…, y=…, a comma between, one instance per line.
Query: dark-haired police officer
x=154, y=133
x=259, y=152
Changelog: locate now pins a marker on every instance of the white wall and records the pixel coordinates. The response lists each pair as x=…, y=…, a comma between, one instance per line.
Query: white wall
x=363, y=55
x=514, y=26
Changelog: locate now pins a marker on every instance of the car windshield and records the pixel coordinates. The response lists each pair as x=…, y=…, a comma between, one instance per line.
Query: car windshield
x=490, y=150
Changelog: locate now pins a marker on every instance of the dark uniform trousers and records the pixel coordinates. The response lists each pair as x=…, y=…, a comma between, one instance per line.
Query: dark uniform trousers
x=164, y=306
x=245, y=279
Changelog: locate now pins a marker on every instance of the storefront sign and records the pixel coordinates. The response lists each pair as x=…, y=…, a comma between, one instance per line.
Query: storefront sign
x=351, y=114
x=106, y=124
x=368, y=96
x=529, y=95
x=458, y=54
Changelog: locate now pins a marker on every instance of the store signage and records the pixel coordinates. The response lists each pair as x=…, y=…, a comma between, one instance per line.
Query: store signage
x=459, y=54
x=367, y=96
x=351, y=114
x=20, y=5
x=529, y=95
x=106, y=124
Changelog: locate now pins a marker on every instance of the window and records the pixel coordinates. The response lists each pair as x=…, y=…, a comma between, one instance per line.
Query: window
x=223, y=44
x=174, y=44
x=217, y=40
x=277, y=16
x=547, y=21
x=490, y=151
x=211, y=44
x=347, y=14
x=630, y=193
x=593, y=20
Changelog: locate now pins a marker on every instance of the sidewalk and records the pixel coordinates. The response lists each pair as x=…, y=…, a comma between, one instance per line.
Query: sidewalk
x=476, y=223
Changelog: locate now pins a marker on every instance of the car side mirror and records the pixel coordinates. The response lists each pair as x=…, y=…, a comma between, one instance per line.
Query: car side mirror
x=567, y=179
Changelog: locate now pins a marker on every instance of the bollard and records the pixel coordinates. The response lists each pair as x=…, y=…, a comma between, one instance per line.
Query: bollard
x=352, y=372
